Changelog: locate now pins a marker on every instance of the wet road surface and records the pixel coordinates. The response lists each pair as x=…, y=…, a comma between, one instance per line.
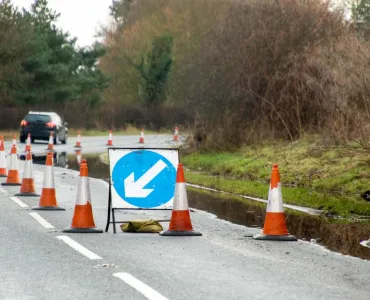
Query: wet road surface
x=39, y=261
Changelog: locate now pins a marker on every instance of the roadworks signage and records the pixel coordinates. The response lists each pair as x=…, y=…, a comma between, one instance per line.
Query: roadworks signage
x=142, y=178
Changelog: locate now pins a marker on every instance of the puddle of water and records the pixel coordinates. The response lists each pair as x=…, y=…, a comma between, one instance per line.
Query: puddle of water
x=343, y=238
x=60, y=159
x=97, y=169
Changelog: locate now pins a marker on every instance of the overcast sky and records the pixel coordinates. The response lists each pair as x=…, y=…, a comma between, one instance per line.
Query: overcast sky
x=81, y=18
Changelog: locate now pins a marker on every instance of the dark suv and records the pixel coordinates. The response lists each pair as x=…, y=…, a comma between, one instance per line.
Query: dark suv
x=40, y=124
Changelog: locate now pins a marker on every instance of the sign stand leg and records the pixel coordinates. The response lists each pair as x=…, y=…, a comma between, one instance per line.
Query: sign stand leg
x=114, y=221
x=109, y=207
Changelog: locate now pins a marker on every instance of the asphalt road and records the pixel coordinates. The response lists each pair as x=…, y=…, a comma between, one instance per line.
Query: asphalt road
x=39, y=261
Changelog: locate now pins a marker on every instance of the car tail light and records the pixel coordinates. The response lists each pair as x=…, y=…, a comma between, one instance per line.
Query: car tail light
x=24, y=123
x=50, y=124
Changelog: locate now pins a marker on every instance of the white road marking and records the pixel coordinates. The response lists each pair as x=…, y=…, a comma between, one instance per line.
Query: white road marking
x=19, y=202
x=41, y=220
x=78, y=247
x=140, y=286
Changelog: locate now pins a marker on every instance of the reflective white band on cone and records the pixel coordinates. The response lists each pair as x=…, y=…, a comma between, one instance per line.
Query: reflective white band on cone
x=2, y=159
x=13, y=162
x=275, y=200
x=48, y=178
x=28, y=169
x=83, y=191
x=181, y=195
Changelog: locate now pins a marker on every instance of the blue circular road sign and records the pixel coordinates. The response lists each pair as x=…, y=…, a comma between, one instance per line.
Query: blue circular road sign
x=144, y=179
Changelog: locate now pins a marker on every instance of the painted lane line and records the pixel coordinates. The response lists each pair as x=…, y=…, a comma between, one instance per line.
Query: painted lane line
x=78, y=247
x=19, y=202
x=41, y=220
x=140, y=286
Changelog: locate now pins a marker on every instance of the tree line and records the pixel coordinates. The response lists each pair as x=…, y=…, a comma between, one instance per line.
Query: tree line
x=40, y=65
x=234, y=71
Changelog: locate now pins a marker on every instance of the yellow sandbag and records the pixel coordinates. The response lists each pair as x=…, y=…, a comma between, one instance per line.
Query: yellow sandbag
x=142, y=226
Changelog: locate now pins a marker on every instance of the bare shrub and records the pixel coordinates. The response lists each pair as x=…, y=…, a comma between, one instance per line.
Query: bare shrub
x=280, y=69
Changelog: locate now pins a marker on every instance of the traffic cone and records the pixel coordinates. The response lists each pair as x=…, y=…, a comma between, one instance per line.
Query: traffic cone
x=48, y=199
x=275, y=228
x=78, y=142
x=78, y=156
x=83, y=219
x=180, y=223
x=2, y=158
x=28, y=183
x=141, y=140
x=110, y=139
x=13, y=174
x=28, y=144
x=176, y=134
x=51, y=142
x=14, y=143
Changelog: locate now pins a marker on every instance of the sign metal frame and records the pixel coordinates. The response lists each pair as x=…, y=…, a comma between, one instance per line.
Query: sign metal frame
x=111, y=219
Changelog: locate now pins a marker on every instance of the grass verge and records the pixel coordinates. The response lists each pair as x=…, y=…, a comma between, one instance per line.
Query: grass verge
x=329, y=178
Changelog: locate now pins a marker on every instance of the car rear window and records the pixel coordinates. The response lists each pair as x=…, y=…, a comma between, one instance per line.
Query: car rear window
x=38, y=118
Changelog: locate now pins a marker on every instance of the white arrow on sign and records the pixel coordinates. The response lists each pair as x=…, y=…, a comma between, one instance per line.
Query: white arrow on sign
x=135, y=189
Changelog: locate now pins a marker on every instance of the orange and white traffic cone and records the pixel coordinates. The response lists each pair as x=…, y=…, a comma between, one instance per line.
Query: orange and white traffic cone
x=110, y=139
x=51, y=142
x=180, y=223
x=28, y=183
x=141, y=140
x=14, y=143
x=78, y=156
x=13, y=173
x=83, y=219
x=176, y=134
x=48, y=199
x=2, y=158
x=275, y=228
x=78, y=141
x=28, y=144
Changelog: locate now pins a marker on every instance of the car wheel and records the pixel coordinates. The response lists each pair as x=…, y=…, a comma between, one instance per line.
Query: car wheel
x=32, y=141
x=65, y=139
x=22, y=139
x=56, y=138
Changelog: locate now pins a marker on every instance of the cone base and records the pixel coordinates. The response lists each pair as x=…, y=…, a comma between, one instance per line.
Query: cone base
x=78, y=147
x=83, y=230
x=3, y=176
x=270, y=237
x=180, y=233
x=27, y=194
x=48, y=208
x=11, y=183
